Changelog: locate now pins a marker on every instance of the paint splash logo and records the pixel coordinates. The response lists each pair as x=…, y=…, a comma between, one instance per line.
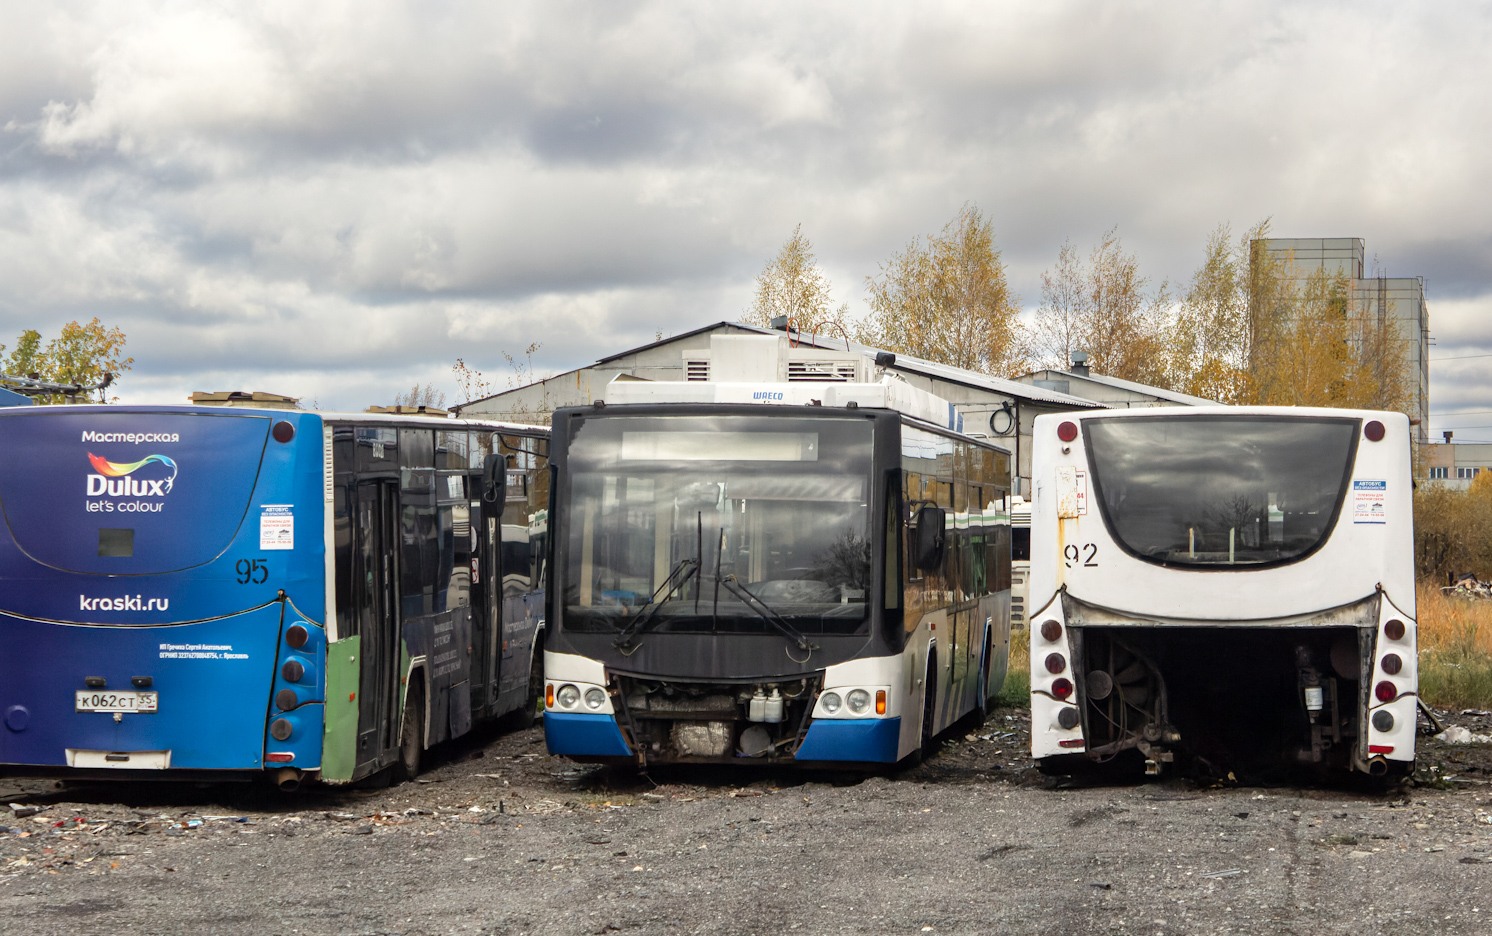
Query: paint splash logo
x=113, y=478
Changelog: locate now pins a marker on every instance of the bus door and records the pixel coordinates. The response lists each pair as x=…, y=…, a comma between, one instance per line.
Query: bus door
x=377, y=573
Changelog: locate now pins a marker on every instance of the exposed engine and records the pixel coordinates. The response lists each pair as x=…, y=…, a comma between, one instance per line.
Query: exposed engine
x=1224, y=700
x=713, y=722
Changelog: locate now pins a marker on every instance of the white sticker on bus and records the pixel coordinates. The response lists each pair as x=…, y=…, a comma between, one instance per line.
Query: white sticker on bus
x=1072, y=492
x=1368, y=501
x=276, y=527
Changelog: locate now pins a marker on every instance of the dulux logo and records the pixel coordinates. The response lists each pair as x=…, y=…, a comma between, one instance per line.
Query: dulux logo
x=113, y=479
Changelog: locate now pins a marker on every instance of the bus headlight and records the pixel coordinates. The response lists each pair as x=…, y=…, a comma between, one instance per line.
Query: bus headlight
x=567, y=696
x=859, y=701
x=831, y=702
x=595, y=697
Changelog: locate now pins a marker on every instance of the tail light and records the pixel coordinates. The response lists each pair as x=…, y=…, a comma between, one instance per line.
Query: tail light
x=1050, y=631
x=1062, y=688
x=1373, y=430
x=1392, y=664
x=1394, y=629
x=297, y=636
x=1067, y=431
x=1055, y=663
x=1385, y=691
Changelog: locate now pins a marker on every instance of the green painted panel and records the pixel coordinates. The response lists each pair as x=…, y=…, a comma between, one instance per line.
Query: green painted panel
x=339, y=748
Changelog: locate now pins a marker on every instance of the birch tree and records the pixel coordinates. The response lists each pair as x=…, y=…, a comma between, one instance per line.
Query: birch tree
x=792, y=284
x=946, y=299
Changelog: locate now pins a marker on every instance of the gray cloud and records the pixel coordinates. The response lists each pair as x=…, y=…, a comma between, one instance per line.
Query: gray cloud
x=338, y=200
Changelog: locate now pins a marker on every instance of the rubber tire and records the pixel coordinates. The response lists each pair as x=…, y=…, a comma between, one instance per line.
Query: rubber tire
x=929, y=711
x=981, y=708
x=412, y=734
x=528, y=713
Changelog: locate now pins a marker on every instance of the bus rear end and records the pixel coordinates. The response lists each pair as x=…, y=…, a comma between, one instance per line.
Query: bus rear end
x=1230, y=589
x=161, y=590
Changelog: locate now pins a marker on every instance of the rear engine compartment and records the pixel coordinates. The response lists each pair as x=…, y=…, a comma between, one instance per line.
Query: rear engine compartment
x=1225, y=702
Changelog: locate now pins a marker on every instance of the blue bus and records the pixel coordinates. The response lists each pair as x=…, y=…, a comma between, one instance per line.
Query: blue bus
x=779, y=574
x=241, y=588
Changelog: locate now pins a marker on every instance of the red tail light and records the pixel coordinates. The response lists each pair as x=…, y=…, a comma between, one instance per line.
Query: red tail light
x=297, y=636
x=1394, y=629
x=1373, y=430
x=1062, y=688
x=1055, y=663
x=1050, y=630
x=1067, y=431
x=1385, y=691
x=1392, y=664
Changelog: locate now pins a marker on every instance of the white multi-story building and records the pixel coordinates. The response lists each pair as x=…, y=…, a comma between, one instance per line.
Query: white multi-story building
x=1401, y=298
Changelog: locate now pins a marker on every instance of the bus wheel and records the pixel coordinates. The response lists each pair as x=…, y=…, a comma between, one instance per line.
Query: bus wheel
x=412, y=737
x=533, y=697
x=981, y=708
x=929, y=707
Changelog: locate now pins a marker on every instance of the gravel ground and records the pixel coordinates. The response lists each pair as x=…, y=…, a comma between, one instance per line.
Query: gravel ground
x=498, y=837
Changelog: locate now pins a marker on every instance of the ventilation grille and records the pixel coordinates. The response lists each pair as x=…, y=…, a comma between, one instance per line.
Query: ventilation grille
x=821, y=371
x=697, y=370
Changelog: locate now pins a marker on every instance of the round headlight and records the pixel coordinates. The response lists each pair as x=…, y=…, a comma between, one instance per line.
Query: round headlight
x=858, y=700
x=831, y=702
x=567, y=696
x=595, y=698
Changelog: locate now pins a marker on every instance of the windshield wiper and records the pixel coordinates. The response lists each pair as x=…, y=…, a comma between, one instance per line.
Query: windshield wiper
x=682, y=572
x=765, y=612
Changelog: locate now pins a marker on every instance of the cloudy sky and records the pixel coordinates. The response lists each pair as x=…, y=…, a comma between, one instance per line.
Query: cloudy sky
x=336, y=200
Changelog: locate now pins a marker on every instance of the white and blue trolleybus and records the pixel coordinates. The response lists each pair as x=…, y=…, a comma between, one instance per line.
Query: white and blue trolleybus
x=775, y=574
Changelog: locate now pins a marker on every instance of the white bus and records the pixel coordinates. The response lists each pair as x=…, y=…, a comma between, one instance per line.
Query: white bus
x=1231, y=588
x=771, y=574
x=1020, y=559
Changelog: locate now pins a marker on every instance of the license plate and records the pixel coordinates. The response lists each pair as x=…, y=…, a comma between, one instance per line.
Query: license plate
x=126, y=701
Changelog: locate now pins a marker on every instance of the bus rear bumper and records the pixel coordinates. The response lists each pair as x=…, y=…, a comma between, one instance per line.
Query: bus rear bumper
x=575, y=735
x=863, y=740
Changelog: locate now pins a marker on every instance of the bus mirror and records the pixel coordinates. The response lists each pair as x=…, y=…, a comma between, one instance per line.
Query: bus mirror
x=927, y=548
x=495, y=480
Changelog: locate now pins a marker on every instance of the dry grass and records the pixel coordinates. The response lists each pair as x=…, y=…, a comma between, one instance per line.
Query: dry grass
x=1455, y=650
x=1016, y=692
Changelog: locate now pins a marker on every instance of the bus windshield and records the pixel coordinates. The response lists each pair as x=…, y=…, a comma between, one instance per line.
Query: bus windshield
x=732, y=523
x=1212, y=493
